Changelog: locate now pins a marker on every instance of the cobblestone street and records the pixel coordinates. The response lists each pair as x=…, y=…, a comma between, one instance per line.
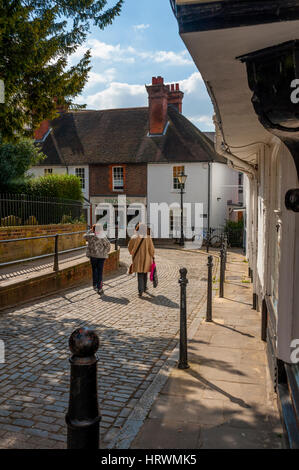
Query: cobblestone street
x=136, y=338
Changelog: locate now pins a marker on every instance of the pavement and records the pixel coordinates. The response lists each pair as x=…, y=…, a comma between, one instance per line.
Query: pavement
x=224, y=400
x=137, y=340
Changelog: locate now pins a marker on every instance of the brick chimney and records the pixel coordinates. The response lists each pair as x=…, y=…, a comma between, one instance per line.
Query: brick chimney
x=42, y=130
x=158, y=101
x=175, y=96
x=44, y=127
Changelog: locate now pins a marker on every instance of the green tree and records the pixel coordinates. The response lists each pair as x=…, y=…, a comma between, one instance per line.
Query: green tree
x=37, y=38
x=15, y=160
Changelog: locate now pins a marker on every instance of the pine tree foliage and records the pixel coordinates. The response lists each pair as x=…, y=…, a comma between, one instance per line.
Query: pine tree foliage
x=37, y=38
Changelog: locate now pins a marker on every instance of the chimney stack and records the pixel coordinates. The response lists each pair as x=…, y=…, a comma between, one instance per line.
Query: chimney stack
x=158, y=101
x=175, y=96
x=45, y=125
x=42, y=130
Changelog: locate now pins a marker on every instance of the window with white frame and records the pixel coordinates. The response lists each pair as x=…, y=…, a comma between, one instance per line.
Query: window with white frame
x=48, y=171
x=80, y=172
x=176, y=171
x=118, y=178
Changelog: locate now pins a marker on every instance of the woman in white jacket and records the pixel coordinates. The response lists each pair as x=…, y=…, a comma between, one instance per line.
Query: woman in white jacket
x=98, y=249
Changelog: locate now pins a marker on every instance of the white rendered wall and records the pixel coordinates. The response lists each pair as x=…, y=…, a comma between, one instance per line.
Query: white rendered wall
x=224, y=185
x=61, y=170
x=224, y=188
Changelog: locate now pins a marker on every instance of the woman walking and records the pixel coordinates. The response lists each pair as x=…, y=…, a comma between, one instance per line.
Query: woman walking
x=98, y=248
x=142, y=249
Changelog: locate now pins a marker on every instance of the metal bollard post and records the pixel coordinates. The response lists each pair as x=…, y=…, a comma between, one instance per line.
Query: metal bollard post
x=183, y=281
x=209, y=295
x=56, y=267
x=83, y=417
x=222, y=267
x=208, y=240
x=116, y=239
x=225, y=251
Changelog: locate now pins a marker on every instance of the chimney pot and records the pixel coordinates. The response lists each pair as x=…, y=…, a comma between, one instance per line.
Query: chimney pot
x=175, y=96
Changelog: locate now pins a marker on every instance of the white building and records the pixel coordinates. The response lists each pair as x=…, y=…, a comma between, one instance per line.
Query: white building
x=162, y=186
x=248, y=54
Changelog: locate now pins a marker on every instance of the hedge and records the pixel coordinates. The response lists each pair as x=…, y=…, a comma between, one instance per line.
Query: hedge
x=61, y=186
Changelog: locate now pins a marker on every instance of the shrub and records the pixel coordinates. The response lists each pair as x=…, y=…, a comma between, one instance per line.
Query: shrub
x=234, y=231
x=60, y=186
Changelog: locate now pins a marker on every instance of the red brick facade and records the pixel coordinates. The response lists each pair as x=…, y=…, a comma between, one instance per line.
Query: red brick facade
x=135, y=180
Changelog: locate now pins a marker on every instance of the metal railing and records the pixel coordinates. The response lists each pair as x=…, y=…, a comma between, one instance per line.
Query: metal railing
x=56, y=252
x=23, y=209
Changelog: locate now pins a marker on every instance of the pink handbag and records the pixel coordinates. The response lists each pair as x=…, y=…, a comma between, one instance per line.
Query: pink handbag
x=153, y=266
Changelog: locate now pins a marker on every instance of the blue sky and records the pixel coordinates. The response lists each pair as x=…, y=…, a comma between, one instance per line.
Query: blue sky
x=142, y=42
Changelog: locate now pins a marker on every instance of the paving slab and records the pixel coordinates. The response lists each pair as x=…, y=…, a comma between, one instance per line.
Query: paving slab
x=226, y=395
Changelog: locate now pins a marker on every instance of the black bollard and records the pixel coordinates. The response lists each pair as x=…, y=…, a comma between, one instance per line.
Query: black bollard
x=222, y=267
x=83, y=417
x=225, y=252
x=56, y=267
x=209, y=295
x=116, y=239
x=183, y=281
x=208, y=240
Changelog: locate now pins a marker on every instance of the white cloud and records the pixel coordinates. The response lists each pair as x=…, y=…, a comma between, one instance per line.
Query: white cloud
x=141, y=27
x=117, y=95
x=117, y=53
x=192, y=84
x=98, y=78
x=171, y=58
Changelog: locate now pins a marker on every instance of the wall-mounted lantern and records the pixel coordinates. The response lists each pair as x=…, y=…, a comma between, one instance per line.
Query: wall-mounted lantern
x=273, y=76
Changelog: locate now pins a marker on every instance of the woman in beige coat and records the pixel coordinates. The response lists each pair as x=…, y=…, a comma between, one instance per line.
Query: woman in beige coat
x=142, y=249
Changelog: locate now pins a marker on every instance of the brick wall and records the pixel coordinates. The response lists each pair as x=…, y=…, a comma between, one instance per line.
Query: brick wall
x=36, y=287
x=27, y=249
x=135, y=180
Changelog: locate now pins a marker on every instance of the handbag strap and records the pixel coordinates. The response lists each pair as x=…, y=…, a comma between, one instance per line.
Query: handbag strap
x=133, y=257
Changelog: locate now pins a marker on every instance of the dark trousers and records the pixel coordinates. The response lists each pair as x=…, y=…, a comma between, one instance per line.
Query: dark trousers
x=97, y=265
x=142, y=282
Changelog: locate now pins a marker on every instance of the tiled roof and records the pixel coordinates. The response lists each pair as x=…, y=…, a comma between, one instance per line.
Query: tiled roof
x=121, y=136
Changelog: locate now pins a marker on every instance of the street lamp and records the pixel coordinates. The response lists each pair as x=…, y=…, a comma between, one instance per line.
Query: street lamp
x=182, y=180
